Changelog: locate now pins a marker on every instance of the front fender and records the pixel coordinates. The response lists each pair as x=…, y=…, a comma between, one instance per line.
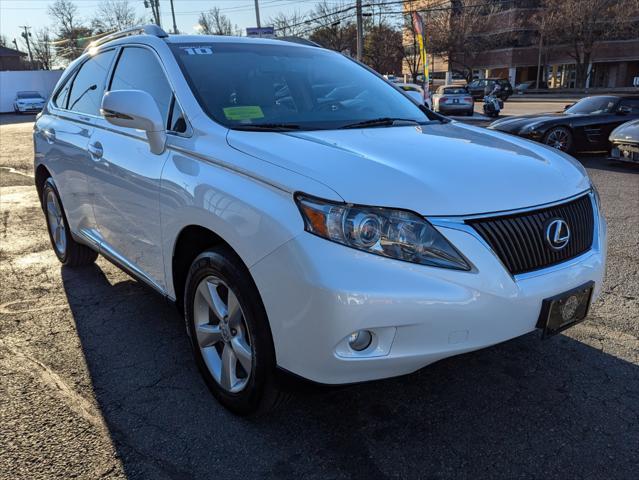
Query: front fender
x=254, y=217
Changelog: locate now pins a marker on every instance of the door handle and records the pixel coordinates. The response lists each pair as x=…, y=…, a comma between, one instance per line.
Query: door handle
x=95, y=149
x=49, y=135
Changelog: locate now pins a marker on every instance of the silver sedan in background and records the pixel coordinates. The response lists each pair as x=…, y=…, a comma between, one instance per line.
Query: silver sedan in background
x=453, y=100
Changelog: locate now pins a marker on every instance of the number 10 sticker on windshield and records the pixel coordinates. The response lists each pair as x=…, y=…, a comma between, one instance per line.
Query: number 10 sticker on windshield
x=198, y=50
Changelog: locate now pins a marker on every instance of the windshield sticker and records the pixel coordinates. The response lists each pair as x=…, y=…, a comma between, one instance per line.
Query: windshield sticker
x=198, y=50
x=243, y=113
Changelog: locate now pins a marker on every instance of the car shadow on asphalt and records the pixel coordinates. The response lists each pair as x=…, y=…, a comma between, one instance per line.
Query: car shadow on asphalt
x=595, y=161
x=526, y=408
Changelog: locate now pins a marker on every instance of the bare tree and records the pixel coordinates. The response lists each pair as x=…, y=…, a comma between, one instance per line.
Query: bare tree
x=383, y=49
x=412, y=58
x=333, y=28
x=114, y=15
x=71, y=32
x=461, y=33
x=3, y=41
x=214, y=22
x=577, y=26
x=42, y=50
x=293, y=25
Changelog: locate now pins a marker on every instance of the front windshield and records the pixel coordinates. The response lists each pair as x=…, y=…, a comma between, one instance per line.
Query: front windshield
x=29, y=95
x=247, y=85
x=593, y=105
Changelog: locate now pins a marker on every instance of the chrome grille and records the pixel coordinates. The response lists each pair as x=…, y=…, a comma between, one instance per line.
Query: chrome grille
x=519, y=240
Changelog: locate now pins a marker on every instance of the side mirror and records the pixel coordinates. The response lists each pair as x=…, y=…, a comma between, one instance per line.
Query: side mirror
x=566, y=107
x=415, y=95
x=136, y=109
x=624, y=110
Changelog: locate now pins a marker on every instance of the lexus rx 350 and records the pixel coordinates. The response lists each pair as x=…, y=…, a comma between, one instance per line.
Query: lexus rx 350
x=304, y=214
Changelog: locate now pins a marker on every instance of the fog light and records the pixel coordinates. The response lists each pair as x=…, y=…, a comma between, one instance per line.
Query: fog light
x=360, y=340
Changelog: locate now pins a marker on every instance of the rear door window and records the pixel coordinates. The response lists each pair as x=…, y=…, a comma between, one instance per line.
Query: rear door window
x=87, y=88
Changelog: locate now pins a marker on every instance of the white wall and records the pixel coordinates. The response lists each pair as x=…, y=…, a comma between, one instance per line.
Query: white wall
x=42, y=81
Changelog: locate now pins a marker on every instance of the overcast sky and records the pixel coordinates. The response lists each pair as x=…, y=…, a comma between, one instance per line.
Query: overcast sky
x=14, y=13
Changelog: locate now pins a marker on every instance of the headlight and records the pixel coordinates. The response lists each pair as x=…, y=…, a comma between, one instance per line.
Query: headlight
x=387, y=232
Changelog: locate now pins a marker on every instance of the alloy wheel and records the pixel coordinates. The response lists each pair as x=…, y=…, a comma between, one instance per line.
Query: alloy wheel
x=56, y=223
x=559, y=139
x=222, y=334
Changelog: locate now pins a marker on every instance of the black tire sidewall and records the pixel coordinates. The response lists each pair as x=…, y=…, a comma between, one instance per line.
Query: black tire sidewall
x=49, y=186
x=222, y=263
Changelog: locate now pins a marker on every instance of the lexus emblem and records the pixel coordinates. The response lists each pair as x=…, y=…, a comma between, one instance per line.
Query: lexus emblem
x=557, y=234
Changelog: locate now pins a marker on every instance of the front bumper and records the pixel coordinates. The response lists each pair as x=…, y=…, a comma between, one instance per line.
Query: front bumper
x=462, y=107
x=29, y=108
x=317, y=292
x=625, y=152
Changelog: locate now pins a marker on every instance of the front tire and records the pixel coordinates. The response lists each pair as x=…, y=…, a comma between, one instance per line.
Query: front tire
x=559, y=138
x=230, y=334
x=68, y=251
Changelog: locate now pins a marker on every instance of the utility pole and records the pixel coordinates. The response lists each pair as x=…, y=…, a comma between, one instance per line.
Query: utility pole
x=155, y=9
x=175, y=30
x=157, y=13
x=257, y=13
x=26, y=34
x=360, y=30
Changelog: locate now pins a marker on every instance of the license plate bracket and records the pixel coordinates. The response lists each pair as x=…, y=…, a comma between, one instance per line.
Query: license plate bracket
x=565, y=310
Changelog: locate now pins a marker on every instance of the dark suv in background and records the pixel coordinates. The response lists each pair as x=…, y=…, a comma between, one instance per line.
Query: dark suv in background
x=478, y=86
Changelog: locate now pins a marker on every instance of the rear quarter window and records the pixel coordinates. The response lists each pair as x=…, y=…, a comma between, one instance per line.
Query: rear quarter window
x=62, y=95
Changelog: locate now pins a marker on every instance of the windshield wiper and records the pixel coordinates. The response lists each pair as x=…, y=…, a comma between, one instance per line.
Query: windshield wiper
x=381, y=122
x=274, y=127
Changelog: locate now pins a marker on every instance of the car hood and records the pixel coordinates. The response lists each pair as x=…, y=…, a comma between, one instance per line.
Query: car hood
x=439, y=169
x=518, y=122
x=627, y=132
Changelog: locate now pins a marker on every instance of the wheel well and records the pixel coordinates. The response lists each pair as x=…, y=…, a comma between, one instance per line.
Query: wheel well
x=41, y=176
x=191, y=241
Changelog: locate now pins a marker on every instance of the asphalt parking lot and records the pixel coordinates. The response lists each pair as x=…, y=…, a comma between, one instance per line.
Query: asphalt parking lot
x=97, y=380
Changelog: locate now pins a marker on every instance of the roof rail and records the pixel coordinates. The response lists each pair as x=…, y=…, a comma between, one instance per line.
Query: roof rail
x=151, y=29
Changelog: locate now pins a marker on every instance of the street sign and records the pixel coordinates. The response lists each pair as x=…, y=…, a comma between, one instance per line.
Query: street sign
x=264, y=32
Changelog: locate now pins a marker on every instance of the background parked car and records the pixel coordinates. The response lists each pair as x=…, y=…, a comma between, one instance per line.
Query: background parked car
x=625, y=142
x=477, y=87
x=416, y=92
x=28, y=102
x=582, y=126
x=453, y=100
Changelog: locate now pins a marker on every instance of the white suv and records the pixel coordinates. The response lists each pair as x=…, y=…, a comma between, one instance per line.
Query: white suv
x=305, y=215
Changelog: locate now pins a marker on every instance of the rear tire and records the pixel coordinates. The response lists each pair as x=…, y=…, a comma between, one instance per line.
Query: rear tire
x=230, y=334
x=68, y=251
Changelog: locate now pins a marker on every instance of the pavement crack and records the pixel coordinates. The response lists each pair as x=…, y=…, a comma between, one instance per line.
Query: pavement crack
x=76, y=402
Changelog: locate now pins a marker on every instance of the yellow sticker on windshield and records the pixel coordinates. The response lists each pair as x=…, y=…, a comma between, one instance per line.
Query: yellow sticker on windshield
x=243, y=113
